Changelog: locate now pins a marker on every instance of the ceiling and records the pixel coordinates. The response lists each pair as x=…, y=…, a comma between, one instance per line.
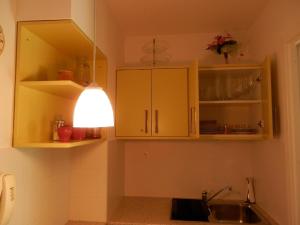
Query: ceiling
x=153, y=17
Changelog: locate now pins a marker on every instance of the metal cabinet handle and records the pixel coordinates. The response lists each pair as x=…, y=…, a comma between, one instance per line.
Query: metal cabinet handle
x=156, y=121
x=191, y=121
x=146, y=121
x=195, y=119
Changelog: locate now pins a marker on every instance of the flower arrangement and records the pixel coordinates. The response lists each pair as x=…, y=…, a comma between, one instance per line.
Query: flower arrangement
x=223, y=44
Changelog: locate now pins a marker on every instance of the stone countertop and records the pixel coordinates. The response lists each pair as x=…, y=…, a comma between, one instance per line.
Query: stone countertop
x=145, y=210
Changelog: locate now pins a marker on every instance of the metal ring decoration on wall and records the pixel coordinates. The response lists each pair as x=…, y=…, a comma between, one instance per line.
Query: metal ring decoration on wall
x=2, y=40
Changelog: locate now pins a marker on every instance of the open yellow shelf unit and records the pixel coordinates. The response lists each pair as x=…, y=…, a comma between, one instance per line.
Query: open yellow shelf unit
x=43, y=49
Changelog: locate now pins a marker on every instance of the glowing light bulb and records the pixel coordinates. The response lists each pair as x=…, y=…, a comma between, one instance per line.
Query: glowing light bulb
x=93, y=109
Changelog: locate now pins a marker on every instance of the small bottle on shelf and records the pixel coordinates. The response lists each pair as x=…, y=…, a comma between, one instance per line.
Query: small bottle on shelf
x=59, y=122
x=83, y=72
x=226, y=130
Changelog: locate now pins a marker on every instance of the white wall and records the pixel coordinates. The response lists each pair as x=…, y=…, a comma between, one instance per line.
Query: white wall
x=115, y=176
x=42, y=176
x=278, y=24
x=82, y=12
x=185, y=168
x=7, y=68
x=183, y=47
x=42, y=185
x=43, y=10
x=88, y=193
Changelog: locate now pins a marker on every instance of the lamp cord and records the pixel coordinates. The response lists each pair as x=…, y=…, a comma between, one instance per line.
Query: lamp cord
x=94, y=46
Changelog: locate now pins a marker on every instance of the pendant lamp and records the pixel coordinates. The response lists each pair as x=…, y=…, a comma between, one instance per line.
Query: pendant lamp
x=93, y=108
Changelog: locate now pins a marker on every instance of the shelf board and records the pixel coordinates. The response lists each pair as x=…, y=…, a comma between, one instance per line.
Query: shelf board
x=229, y=102
x=58, y=145
x=231, y=67
x=231, y=137
x=62, y=88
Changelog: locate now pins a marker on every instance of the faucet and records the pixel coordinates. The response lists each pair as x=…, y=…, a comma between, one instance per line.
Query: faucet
x=250, y=190
x=204, y=194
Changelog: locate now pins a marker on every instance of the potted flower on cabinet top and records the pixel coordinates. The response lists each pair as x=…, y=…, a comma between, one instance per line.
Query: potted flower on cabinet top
x=223, y=44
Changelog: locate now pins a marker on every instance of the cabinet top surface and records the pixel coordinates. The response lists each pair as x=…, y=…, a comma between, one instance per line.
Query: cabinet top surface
x=64, y=35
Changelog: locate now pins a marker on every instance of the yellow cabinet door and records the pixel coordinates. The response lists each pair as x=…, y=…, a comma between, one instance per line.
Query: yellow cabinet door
x=193, y=100
x=170, y=102
x=133, y=103
x=267, y=122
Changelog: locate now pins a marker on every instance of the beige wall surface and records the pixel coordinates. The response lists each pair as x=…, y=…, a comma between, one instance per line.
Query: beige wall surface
x=42, y=185
x=115, y=176
x=184, y=47
x=82, y=12
x=42, y=176
x=43, y=10
x=88, y=192
x=185, y=169
x=7, y=70
x=278, y=24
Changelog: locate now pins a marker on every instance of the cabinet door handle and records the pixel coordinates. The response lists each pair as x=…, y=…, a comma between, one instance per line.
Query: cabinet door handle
x=156, y=121
x=191, y=121
x=146, y=121
x=194, y=122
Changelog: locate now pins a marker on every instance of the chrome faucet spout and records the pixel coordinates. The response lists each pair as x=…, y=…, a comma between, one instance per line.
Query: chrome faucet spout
x=250, y=190
x=229, y=188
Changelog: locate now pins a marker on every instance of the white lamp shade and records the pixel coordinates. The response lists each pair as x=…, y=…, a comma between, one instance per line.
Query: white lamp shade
x=93, y=109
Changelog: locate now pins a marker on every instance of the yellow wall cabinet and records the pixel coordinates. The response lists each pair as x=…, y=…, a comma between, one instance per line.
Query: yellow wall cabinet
x=44, y=48
x=231, y=102
x=152, y=103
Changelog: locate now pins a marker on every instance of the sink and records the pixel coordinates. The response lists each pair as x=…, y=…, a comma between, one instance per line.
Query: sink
x=189, y=210
x=234, y=213
x=218, y=212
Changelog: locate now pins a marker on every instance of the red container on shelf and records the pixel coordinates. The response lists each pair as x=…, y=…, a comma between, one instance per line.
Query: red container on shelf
x=64, y=133
x=65, y=75
x=78, y=133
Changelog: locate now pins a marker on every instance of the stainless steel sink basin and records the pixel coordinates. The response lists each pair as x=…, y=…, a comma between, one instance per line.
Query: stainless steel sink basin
x=238, y=213
x=189, y=210
x=216, y=212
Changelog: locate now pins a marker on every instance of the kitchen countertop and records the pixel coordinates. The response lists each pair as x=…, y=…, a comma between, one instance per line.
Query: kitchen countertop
x=84, y=223
x=145, y=210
